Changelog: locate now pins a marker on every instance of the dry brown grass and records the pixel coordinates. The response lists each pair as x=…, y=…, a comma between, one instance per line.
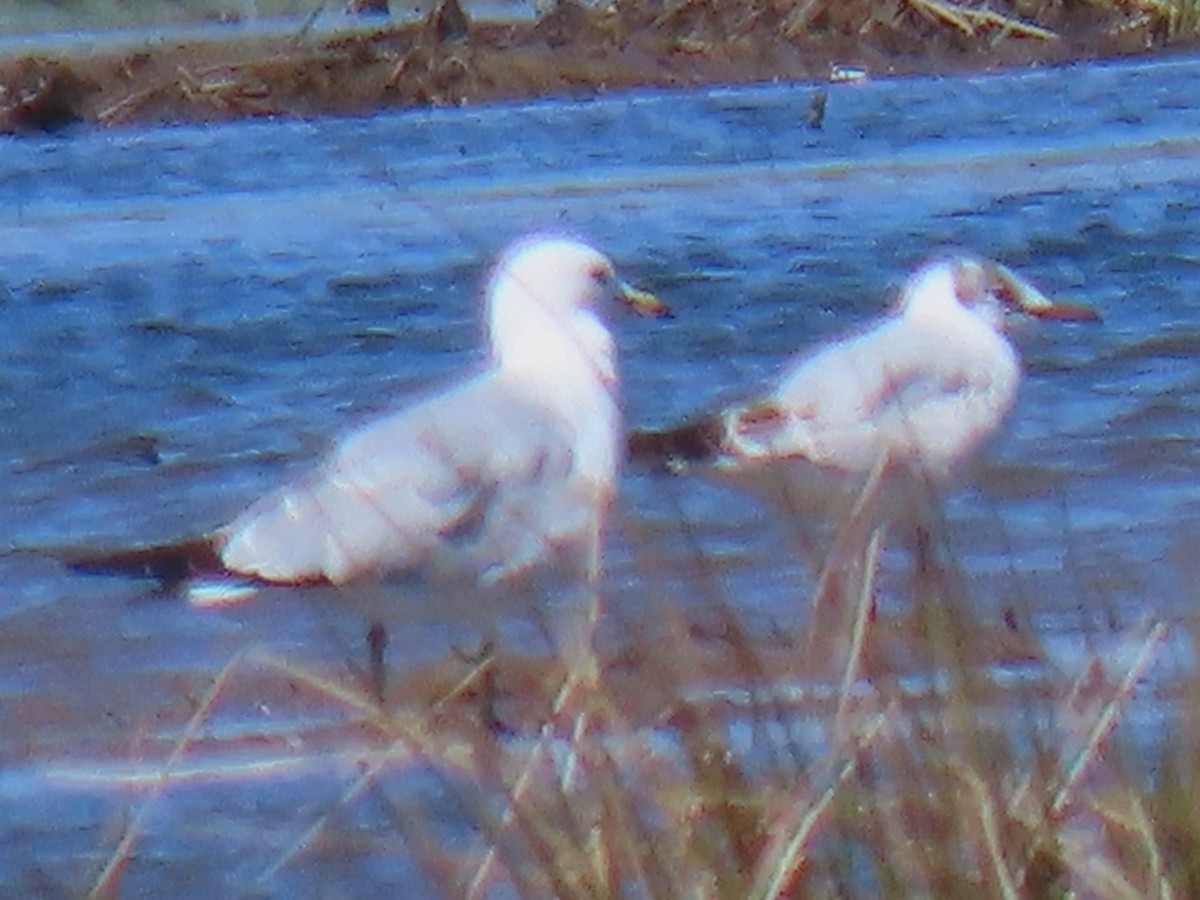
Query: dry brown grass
x=703, y=760
x=570, y=51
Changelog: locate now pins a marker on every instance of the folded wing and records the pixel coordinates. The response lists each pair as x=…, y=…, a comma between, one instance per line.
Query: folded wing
x=475, y=476
x=917, y=397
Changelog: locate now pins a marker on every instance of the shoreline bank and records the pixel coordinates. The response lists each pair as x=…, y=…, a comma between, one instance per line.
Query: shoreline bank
x=574, y=51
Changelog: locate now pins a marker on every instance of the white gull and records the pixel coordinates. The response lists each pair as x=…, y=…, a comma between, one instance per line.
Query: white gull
x=910, y=398
x=504, y=471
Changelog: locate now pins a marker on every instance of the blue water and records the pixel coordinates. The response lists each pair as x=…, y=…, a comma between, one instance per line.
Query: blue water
x=190, y=314
x=90, y=30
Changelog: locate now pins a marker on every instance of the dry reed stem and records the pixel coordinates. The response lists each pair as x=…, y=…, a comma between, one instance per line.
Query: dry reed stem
x=1145, y=829
x=787, y=852
x=121, y=111
x=405, y=747
x=106, y=884
x=1093, y=873
x=1131, y=818
x=849, y=546
x=970, y=20
x=864, y=613
x=582, y=688
x=374, y=768
x=512, y=814
x=1180, y=16
x=356, y=699
x=582, y=872
x=989, y=820
x=637, y=843
x=1107, y=721
x=228, y=91
x=1099, y=837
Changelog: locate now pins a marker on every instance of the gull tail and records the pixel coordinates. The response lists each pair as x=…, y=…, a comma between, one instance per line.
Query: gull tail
x=672, y=449
x=170, y=564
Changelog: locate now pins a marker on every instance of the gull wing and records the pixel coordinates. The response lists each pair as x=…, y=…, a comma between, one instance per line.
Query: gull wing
x=478, y=474
x=697, y=440
x=170, y=564
x=902, y=390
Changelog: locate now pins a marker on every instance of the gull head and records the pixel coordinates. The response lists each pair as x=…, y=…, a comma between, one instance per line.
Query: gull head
x=552, y=292
x=985, y=289
x=564, y=275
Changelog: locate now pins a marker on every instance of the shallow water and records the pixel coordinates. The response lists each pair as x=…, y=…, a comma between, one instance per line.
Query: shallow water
x=190, y=314
x=97, y=30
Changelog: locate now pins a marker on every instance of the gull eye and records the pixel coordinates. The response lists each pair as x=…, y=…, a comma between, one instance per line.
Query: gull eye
x=599, y=273
x=1005, y=293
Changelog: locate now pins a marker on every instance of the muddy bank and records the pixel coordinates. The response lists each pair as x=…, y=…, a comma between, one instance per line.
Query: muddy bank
x=572, y=51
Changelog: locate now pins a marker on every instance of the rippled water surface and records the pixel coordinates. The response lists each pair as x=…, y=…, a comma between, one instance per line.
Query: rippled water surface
x=188, y=315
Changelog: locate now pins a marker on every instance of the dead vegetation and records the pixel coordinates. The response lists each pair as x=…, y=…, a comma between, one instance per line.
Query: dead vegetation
x=705, y=760
x=571, y=50
x=929, y=749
